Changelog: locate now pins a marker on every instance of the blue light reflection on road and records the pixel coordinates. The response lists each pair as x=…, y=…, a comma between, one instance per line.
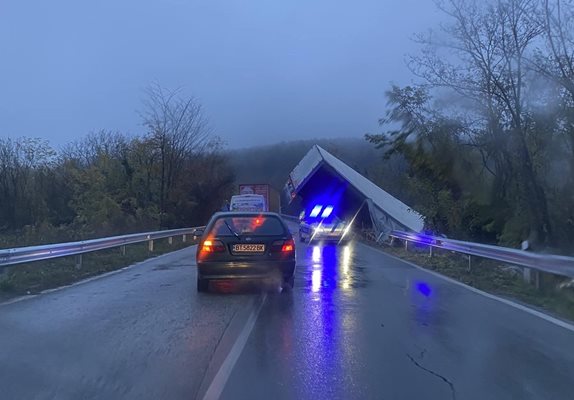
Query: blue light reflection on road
x=316, y=276
x=424, y=289
x=422, y=302
x=316, y=254
x=345, y=278
x=330, y=266
x=329, y=270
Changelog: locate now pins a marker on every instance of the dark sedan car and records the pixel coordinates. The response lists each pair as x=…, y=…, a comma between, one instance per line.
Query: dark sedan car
x=244, y=245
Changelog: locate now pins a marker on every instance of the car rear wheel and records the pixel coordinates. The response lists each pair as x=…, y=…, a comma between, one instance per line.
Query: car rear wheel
x=202, y=285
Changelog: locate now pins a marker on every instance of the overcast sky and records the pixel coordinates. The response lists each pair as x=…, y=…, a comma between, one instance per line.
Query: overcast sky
x=265, y=70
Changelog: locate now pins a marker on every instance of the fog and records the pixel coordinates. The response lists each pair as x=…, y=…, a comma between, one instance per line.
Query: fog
x=264, y=71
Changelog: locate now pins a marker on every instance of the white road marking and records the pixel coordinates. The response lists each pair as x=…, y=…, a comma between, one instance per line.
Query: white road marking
x=217, y=385
x=546, y=317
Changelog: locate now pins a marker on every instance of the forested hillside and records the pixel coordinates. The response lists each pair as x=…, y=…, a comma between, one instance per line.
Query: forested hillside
x=272, y=164
x=482, y=147
x=107, y=183
x=488, y=135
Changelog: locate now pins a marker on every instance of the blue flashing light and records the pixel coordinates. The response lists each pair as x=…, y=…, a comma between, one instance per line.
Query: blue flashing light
x=327, y=211
x=315, y=211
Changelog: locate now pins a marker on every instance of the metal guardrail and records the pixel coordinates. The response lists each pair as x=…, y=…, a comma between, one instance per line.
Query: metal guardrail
x=559, y=265
x=21, y=255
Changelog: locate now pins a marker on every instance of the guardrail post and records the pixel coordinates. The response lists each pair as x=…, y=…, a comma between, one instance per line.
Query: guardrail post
x=184, y=238
x=531, y=276
x=150, y=246
x=170, y=240
x=78, y=261
x=123, y=250
x=430, y=251
x=406, y=245
x=4, y=272
x=469, y=265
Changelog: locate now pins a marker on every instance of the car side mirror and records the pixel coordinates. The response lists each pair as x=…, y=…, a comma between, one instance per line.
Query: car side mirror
x=198, y=232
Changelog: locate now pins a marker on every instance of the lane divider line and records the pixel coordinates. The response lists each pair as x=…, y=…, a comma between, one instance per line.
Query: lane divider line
x=539, y=314
x=217, y=385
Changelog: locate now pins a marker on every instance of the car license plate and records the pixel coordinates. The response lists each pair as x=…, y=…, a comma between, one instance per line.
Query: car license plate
x=248, y=248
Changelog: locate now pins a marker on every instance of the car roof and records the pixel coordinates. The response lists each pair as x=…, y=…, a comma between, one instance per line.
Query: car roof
x=245, y=214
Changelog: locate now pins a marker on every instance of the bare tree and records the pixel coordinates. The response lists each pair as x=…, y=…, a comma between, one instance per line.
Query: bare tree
x=23, y=161
x=95, y=146
x=178, y=129
x=480, y=56
x=556, y=61
x=557, y=19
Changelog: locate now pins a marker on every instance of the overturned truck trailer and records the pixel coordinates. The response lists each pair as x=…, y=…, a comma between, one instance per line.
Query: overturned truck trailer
x=321, y=178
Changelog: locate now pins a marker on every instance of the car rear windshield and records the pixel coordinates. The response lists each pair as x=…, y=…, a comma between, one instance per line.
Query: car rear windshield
x=251, y=225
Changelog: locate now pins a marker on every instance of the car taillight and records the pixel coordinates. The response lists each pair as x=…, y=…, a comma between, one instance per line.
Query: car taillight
x=212, y=246
x=288, y=246
x=283, y=246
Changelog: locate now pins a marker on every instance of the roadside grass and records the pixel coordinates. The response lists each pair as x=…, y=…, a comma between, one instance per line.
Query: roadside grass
x=492, y=277
x=33, y=278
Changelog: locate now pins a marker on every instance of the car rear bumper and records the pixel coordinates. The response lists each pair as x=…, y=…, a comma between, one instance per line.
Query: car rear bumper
x=245, y=269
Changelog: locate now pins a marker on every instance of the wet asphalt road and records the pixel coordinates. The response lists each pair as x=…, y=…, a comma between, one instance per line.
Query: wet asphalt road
x=362, y=325
x=142, y=333
x=358, y=325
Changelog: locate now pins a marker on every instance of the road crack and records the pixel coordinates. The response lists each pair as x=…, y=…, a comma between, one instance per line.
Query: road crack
x=444, y=379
